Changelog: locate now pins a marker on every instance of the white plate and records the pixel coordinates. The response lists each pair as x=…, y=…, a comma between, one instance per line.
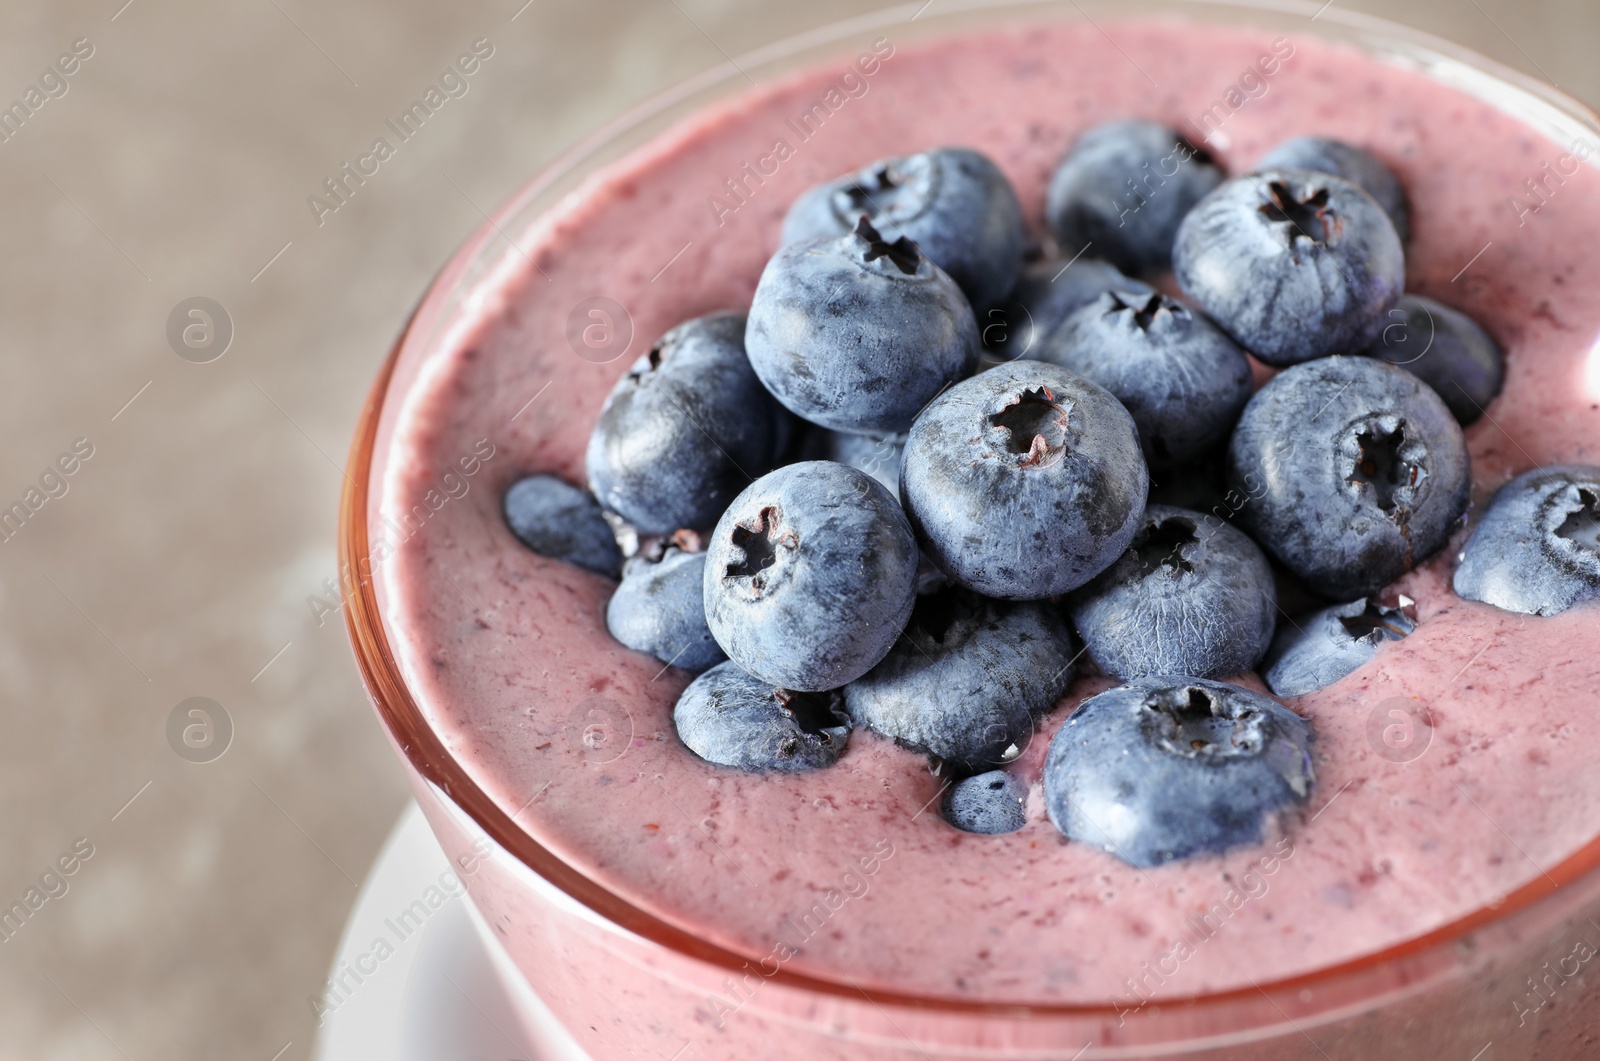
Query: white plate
x=434, y=986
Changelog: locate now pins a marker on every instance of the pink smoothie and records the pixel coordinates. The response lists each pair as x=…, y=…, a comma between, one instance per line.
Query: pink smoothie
x=849, y=873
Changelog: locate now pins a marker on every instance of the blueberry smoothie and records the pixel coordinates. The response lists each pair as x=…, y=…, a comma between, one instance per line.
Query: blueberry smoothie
x=1452, y=755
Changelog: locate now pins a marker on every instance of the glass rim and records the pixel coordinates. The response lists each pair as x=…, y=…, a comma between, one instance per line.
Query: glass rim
x=406, y=725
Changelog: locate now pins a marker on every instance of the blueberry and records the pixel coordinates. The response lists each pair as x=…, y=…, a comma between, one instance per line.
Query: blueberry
x=810, y=576
x=1024, y=481
x=857, y=333
x=1319, y=649
x=1168, y=768
x=660, y=608
x=1121, y=191
x=1180, y=377
x=1349, y=472
x=989, y=803
x=878, y=456
x=968, y=679
x=727, y=717
x=1447, y=350
x=952, y=202
x=1190, y=596
x=1361, y=168
x=1292, y=264
x=1537, y=548
x=1047, y=293
x=684, y=430
x=558, y=520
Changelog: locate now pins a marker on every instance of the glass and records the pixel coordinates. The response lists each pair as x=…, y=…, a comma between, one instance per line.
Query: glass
x=624, y=980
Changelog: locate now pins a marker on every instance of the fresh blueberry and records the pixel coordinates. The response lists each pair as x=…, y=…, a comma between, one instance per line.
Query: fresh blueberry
x=1190, y=596
x=878, y=456
x=558, y=520
x=1180, y=377
x=1318, y=649
x=968, y=679
x=1168, y=768
x=1047, y=293
x=990, y=803
x=1349, y=472
x=1537, y=549
x=810, y=576
x=952, y=202
x=1122, y=190
x=1024, y=481
x=660, y=608
x=1293, y=264
x=727, y=717
x=1361, y=168
x=1447, y=350
x=858, y=333
x=684, y=430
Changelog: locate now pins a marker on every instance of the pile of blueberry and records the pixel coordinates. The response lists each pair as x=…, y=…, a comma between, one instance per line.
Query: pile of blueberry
x=932, y=458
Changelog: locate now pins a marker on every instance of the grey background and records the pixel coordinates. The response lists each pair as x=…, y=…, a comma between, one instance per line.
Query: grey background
x=180, y=560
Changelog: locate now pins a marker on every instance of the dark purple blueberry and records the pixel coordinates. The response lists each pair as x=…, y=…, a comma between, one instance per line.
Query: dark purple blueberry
x=1349, y=472
x=953, y=202
x=1317, y=650
x=1047, y=293
x=1294, y=265
x=1122, y=190
x=1447, y=350
x=1192, y=595
x=1163, y=769
x=660, y=608
x=989, y=804
x=1537, y=548
x=1024, y=481
x=1361, y=168
x=1181, y=378
x=685, y=430
x=857, y=333
x=558, y=520
x=727, y=717
x=968, y=679
x=810, y=576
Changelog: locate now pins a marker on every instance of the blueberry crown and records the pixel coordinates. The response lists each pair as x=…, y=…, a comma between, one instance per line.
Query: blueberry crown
x=1308, y=216
x=904, y=253
x=1036, y=426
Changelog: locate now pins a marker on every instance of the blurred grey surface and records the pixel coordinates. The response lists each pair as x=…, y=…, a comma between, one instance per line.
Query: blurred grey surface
x=177, y=560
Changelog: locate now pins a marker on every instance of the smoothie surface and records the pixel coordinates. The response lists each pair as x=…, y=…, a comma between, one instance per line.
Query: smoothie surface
x=850, y=872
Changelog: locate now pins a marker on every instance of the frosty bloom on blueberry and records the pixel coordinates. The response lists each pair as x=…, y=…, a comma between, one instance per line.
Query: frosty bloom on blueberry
x=1361, y=168
x=660, y=608
x=558, y=520
x=953, y=202
x=1373, y=480
x=727, y=717
x=968, y=678
x=1166, y=768
x=1292, y=264
x=1183, y=381
x=857, y=333
x=1317, y=650
x=1025, y=481
x=1537, y=550
x=1447, y=350
x=1122, y=190
x=683, y=430
x=810, y=576
x=1178, y=602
